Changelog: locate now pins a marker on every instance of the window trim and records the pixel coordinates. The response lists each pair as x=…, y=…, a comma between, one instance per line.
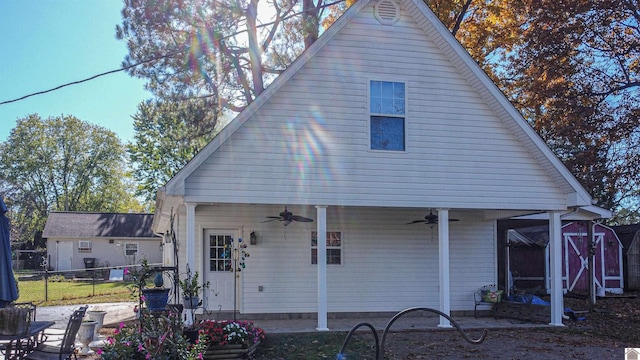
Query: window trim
x=132, y=243
x=341, y=248
x=372, y=114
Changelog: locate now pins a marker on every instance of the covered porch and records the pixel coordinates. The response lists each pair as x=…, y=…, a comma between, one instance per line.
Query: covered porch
x=330, y=289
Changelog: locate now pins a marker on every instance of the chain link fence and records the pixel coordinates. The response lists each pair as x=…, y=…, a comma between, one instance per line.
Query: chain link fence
x=111, y=283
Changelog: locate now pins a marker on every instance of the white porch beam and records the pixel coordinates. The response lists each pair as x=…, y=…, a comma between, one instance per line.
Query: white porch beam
x=321, y=212
x=555, y=255
x=443, y=259
x=191, y=235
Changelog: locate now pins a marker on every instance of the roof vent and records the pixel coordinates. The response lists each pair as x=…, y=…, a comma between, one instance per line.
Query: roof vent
x=387, y=12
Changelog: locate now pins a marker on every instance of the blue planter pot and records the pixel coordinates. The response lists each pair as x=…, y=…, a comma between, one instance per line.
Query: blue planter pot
x=156, y=299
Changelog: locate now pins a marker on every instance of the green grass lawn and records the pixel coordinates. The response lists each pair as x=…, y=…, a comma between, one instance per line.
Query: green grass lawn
x=66, y=292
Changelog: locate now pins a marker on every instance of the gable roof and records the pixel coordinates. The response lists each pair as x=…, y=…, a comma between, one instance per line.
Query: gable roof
x=627, y=233
x=107, y=225
x=456, y=55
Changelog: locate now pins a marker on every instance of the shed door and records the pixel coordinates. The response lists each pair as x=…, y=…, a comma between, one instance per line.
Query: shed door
x=218, y=247
x=64, y=255
x=576, y=256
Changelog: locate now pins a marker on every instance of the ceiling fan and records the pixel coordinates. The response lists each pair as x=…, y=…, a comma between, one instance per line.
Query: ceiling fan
x=286, y=217
x=430, y=219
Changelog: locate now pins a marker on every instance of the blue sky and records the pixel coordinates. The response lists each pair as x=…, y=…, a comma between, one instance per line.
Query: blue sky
x=47, y=43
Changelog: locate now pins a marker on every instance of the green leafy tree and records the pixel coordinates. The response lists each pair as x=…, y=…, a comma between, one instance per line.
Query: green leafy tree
x=571, y=68
x=165, y=140
x=61, y=164
x=574, y=73
x=219, y=55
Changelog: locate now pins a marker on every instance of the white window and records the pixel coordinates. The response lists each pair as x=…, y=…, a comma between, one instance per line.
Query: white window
x=387, y=115
x=131, y=249
x=84, y=246
x=334, y=247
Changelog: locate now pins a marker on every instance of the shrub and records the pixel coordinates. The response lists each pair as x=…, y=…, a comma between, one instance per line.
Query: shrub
x=156, y=337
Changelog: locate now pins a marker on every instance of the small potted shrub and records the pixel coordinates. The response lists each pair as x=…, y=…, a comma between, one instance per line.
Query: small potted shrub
x=191, y=289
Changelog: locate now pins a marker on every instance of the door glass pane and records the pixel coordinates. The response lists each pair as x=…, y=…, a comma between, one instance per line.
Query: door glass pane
x=219, y=250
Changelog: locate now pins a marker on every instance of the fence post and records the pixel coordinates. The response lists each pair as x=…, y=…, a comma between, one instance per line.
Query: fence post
x=46, y=283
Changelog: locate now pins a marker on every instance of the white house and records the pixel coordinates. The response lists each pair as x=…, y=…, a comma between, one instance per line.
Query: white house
x=385, y=119
x=110, y=239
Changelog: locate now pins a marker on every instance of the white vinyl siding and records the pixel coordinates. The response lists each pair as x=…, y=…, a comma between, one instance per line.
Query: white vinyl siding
x=309, y=143
x=387, y=265
x=105, y=252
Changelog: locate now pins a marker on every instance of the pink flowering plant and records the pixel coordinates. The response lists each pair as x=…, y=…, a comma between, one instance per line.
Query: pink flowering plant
x=156, y=337
x=219, y=333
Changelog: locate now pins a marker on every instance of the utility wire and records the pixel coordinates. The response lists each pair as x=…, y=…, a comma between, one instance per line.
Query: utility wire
x=151, y=60
x=87, y=79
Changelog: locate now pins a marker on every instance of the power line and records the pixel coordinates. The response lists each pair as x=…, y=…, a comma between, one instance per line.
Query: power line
x=154, y=59
x=85, y=80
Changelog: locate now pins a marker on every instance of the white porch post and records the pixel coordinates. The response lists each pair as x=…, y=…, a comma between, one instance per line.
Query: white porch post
x=191, y=248
x=555, y=252
x=321, y=211
x=443, y=258
x=191, y=235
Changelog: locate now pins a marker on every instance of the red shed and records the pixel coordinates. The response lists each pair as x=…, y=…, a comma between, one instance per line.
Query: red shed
x=528, y=257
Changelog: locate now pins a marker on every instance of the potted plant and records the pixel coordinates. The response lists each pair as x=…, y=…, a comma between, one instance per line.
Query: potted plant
x=157, y=297
x=229, y=339
x=191, y=289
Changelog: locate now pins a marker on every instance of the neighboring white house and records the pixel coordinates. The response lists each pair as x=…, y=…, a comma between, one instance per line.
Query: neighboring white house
x=383, y=120
x=109, y=239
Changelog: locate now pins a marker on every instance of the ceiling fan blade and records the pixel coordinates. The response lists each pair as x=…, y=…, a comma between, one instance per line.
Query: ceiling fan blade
x=300, y=218
x=416, y=222
x=271, y=218
x=454, y=219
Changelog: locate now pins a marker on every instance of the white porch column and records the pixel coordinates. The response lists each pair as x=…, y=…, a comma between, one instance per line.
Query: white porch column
x=321, y=211
x=555, y=255
x=191, y=236
x=443, y=259
x=191, y=249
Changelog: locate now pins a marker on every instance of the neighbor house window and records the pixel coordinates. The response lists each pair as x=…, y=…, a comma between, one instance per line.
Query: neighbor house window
x=131, y=249
x=334, y=248
x=84, y=246
x=387, y=111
